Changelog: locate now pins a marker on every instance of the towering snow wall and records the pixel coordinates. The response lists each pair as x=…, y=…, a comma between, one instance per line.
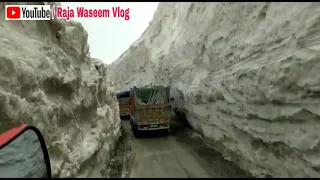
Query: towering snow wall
x=47, y=79
x=248, y=75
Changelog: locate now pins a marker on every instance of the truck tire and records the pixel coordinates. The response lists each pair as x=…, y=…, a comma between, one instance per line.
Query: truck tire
x=135, y=130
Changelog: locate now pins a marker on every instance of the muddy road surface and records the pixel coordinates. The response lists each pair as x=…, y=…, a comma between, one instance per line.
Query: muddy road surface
x=179, y=155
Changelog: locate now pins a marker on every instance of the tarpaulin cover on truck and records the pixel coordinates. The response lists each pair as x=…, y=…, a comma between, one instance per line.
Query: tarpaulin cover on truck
x=123, y=94
x=152, y=96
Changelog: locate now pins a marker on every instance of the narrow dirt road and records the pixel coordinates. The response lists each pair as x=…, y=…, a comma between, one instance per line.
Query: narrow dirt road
x=177, y=156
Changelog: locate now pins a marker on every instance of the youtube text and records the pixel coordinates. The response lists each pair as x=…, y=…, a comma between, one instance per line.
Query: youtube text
x=36, y=13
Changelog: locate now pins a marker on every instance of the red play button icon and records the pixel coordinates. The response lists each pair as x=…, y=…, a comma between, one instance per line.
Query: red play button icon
x=13, y=12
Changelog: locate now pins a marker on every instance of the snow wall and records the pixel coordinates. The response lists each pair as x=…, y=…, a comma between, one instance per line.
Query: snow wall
x=48, y=80
x=246, y=74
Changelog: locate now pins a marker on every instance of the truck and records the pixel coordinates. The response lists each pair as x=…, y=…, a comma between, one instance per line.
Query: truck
x=150, y=109
x=124, y=104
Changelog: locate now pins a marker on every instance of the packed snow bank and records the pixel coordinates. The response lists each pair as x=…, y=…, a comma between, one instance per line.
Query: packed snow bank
x=48, y=80
x=249, y=76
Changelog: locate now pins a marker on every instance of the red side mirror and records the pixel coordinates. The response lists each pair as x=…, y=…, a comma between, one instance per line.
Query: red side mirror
x=23, y=154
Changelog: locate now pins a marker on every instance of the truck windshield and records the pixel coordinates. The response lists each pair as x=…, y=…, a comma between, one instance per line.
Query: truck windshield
x=152, y=96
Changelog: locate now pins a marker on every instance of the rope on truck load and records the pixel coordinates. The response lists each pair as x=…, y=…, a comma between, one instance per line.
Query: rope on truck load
x=152, y=97
x=156, y=96
x=138, y=100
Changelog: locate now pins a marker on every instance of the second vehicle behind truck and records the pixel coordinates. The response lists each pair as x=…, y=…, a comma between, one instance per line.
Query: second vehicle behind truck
x=124, y=104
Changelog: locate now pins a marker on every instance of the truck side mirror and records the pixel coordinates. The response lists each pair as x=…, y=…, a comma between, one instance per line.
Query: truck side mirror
x=23, y=154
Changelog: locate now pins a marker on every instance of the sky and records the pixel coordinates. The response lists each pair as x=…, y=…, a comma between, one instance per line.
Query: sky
x=110, y=37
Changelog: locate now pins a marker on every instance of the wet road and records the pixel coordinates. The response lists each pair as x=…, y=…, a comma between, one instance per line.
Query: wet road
x=156, y=156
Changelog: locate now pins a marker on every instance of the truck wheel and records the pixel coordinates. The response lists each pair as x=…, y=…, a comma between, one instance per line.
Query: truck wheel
x=131, y=123
x=135, y=130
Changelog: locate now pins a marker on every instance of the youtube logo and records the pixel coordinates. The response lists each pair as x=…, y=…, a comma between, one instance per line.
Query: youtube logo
x=28, y=12
x=13, y=12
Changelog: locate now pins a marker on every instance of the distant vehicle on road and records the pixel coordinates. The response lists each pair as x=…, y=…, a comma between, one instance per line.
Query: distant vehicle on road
x=124, y=104
x=150, y=109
